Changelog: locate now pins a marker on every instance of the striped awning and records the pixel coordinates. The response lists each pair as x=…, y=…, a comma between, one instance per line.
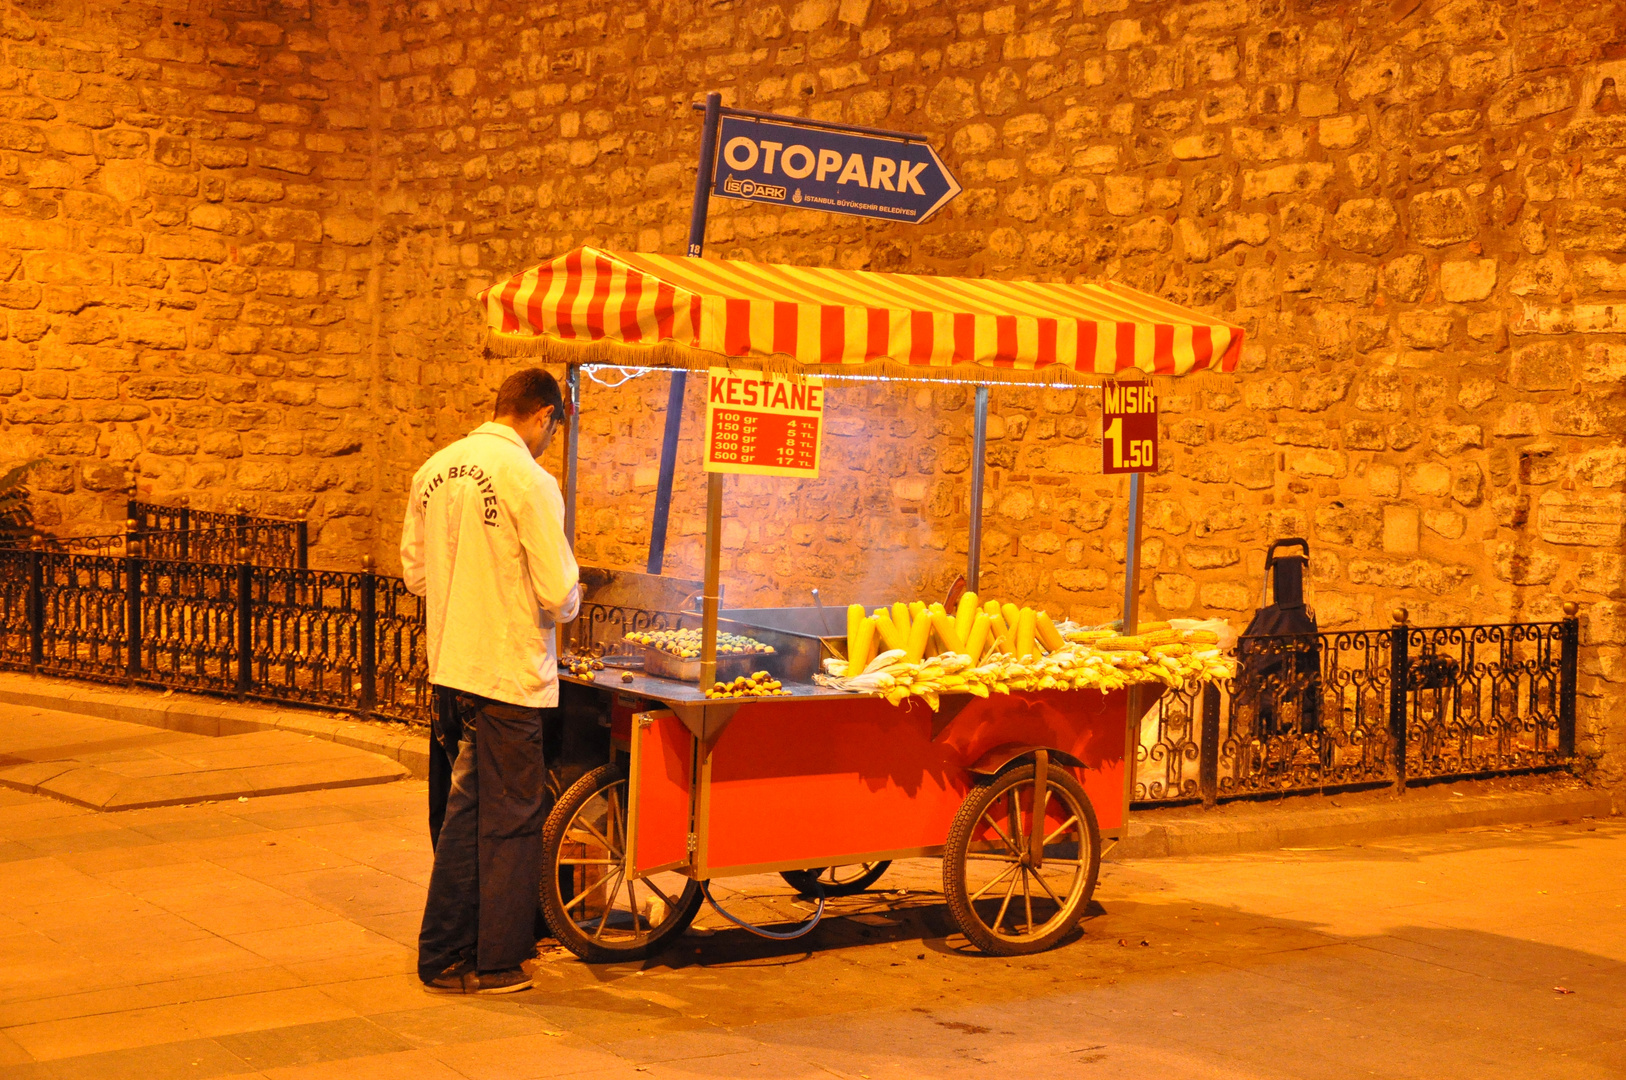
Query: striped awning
x=635, y=309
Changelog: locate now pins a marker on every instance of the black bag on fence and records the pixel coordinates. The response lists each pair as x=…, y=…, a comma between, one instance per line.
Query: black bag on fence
x=1273, y=675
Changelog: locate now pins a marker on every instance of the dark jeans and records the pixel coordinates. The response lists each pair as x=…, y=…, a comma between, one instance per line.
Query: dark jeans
x=488, y=847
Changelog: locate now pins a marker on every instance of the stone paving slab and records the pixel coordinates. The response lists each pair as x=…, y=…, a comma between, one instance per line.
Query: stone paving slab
x=1164, y=833
x=200, y=714
x=114, y=765
x=237, y=939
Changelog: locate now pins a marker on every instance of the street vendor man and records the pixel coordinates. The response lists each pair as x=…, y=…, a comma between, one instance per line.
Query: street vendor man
x=484, y=544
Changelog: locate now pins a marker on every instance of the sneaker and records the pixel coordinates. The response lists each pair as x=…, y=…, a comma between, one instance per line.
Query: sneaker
x=498, y=982
x=456, y=979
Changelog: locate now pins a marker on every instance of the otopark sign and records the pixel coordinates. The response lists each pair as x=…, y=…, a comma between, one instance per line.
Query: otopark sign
x=843, y=170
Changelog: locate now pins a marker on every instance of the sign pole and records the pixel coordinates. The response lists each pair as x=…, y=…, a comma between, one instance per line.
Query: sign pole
x=680, y=378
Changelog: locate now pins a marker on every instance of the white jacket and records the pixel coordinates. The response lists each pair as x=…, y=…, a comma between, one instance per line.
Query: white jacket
x=484, y=543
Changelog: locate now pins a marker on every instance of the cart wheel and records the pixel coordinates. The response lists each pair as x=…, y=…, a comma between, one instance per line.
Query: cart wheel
x=591, y=905
x=1005, y=905
x=835, y=880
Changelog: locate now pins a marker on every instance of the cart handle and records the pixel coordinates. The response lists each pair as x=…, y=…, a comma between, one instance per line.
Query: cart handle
x=1270, y=553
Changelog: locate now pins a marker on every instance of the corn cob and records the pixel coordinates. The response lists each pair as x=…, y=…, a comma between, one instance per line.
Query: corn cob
x=947, y=634
x=965, y=614
x=1025, y=628
x=976, y=642
x=1012, y=616
x=1046, y=630
x=861, y=647
x=900, y=619
x=919, y=632
x=1202, y=637
x=855, y=615
x=890, y=634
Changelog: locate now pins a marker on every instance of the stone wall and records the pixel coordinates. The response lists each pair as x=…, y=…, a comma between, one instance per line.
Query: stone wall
x=186, y=279
x=1418, y=210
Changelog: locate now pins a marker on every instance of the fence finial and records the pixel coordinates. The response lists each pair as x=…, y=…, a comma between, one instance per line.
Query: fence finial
x=367, y=563
x=1400, y=615
x=1571, y=608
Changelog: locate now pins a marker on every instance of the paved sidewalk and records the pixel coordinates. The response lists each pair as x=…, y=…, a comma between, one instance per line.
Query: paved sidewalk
x=273, y=938
x=112, y=765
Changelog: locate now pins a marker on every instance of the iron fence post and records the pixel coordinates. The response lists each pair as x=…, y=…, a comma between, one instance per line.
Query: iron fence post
x=245, y=621
x=1208, y=746
x=1568, y=662
x=132, y=600
x=1398, y=671
x=369, y=635
x=36, y=607
x=185, y=519
x=240, y=534
x=302, y=535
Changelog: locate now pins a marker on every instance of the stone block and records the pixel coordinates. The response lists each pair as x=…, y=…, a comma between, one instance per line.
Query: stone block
x=1174, y=592
x=1590, y=519
x=1401, y=529
x=1366, y=226
x=1465, y=281
x=1543, y=365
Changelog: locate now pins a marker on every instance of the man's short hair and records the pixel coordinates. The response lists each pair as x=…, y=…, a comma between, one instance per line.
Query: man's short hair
x=524, y=392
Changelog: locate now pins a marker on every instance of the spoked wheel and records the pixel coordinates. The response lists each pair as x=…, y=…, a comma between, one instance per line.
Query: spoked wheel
x=1007, y=899
x=835, y=880
x=593, y=906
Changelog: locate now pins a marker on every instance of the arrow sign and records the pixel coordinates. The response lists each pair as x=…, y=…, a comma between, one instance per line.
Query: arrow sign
x=838, y=170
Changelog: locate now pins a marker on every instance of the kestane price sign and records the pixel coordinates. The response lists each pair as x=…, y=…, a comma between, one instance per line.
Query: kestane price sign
x=1128, y=428
x=762, y=424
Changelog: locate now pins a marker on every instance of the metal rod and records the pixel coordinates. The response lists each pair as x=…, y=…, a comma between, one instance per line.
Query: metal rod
x=1041, y=779
x=979, y=455
x=663, y=486
x=1131, y=619
x=573, y=395
x=1131, y=614
x=367, y=643
x=798, y=121
x=712, y=592
x=1208, y=746
x=1399, y=673
x=1568, y=667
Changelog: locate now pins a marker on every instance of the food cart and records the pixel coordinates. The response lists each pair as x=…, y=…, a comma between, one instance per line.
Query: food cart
x=1013, y=789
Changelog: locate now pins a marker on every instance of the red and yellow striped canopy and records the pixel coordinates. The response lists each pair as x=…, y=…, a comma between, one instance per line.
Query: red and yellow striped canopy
x=655, y=309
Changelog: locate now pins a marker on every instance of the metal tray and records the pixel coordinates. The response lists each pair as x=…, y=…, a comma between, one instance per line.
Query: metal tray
x=661, y=664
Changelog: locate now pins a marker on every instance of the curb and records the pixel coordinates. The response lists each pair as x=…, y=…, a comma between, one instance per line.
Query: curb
x=200, y=715
x=1336, y=826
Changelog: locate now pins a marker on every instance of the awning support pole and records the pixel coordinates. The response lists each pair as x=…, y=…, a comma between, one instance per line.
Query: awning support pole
x=663, y=485
x=573, y=429
x=680, y=379
x=1131, y=617
x=979, y=456
x=711, y=595
x=712, y=592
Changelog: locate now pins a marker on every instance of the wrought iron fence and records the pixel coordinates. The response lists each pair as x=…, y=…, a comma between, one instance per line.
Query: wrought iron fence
x=181, y=533
x=353, y=642
x=1312, y=712
x=1365, y=708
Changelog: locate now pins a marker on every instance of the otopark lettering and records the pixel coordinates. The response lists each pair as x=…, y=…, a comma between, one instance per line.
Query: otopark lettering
x=842, y=171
